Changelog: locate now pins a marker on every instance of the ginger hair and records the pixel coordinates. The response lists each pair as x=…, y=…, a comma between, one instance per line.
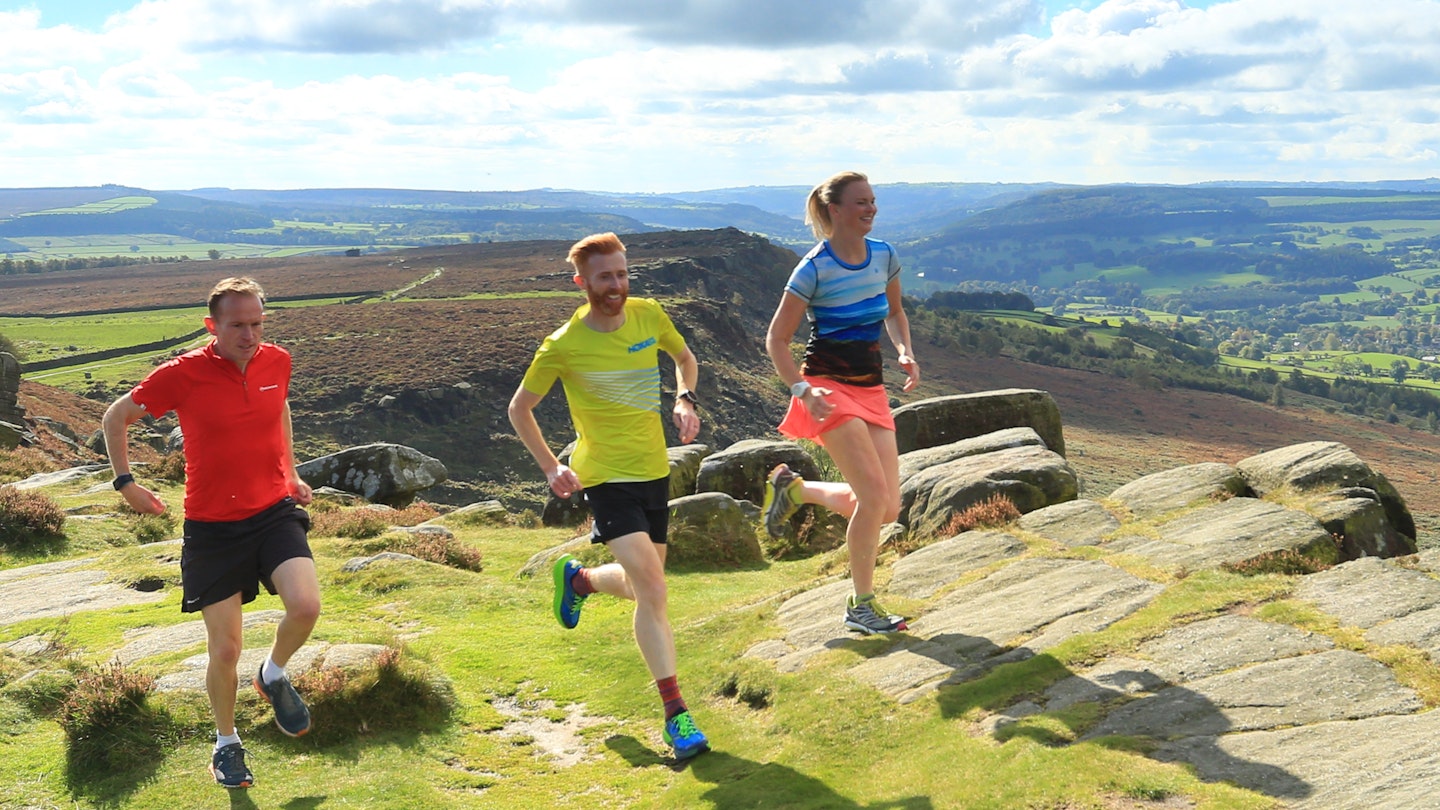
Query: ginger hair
x=599, y=244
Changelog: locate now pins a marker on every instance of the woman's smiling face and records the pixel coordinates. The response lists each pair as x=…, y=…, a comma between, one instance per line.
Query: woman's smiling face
x=855, y=212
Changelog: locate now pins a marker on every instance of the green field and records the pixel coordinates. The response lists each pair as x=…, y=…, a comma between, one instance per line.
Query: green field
x=46, y=338
x=348, y=228
x=62, y=336
x=1150, y=283
x=155, y=246
x=129, y=369
x=1288, y=201
x=109, y=206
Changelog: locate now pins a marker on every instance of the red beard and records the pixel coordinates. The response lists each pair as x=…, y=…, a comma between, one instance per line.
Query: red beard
x=604, y=306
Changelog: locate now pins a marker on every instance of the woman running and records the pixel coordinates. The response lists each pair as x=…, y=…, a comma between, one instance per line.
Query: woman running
x=848, y=287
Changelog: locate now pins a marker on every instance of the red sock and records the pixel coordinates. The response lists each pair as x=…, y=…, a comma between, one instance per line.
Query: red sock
x=581, y=583
x=670, y=693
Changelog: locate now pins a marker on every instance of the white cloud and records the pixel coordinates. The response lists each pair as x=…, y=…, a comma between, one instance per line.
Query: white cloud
x=946, y=25
x=314, y=26
x=579, y=93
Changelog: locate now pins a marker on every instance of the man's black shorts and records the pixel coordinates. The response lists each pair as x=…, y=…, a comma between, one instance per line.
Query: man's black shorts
x=220, y=559
x=626, y=507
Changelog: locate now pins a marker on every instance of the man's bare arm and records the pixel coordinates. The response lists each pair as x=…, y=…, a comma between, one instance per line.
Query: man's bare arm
x=121, y=414
x=562, y=479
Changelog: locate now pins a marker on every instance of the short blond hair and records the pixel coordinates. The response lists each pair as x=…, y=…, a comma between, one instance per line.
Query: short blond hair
x=237, y=285
x=599, y=244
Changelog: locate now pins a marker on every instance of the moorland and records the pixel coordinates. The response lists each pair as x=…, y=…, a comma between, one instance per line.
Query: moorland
x=423, y=345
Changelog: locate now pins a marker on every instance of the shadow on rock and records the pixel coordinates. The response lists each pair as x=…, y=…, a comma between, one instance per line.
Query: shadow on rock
x=1123, y=709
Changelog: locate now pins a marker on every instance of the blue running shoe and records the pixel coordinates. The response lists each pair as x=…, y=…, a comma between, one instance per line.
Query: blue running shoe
x=227, y=765
x=291, y=714
x=682, y=735
x=567, y=602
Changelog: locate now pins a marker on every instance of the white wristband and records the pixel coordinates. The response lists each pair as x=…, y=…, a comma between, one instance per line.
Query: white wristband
x=799, y=389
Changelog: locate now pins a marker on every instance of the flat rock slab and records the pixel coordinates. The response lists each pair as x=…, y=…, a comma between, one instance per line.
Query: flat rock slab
x=813, y=623
x=191, y=674
x=1330, y=685
x=51, y=595
x=1368, y=591
x=1185, y=654
x=1170, y=490
x=50, y=479
x=1073, y=523
x=1025, y=607
x=1213, y=646
x=1112, y=679
x=917, y=460
x=1232, y=531
x=1394, y=605
x=148, y=642
x=42, y=569
x=920, y=574
x=1378, y=763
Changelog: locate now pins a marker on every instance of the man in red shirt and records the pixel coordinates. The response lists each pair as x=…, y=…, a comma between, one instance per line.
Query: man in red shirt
x=243, y=521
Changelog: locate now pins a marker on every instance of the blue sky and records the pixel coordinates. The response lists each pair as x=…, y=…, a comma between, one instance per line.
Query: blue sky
x=670, y=95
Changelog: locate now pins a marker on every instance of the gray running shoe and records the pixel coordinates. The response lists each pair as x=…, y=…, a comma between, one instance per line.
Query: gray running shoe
x=782, y=498
x=291, y=714
x=228, y=767
x=869, y=618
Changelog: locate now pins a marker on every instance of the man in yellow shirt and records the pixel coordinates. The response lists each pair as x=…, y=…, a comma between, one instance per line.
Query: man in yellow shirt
x=606, y=357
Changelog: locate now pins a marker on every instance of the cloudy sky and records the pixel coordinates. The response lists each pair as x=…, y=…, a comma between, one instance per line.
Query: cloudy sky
x=672, y=95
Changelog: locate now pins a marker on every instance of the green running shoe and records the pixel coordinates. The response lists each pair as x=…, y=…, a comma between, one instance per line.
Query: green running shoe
x=567, y=602
x=782, y=498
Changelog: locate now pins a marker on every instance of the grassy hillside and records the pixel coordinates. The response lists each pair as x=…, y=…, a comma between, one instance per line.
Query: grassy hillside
x=568, y=717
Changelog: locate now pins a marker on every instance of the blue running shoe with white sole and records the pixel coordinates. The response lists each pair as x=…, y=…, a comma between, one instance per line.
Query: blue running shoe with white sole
x=567, y=602
x=682, y=735
x=869, y=618
x=292, y=716
x=227, y=765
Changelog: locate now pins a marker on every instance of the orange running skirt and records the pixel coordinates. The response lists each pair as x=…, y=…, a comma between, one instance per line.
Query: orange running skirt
x=865, y=402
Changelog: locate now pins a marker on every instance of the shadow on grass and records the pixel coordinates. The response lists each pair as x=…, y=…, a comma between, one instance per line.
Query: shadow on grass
x=105, y=786
x=740, y=782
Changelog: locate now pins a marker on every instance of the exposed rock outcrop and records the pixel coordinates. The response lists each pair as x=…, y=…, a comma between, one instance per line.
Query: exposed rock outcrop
x=1031, y=476
x=10, y=408
x=1318, y=469
x=391, y=474
x=941, y=420
x=713, y=528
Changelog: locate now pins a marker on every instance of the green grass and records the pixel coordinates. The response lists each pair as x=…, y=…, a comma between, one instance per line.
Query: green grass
x=1288, y=201
x=155, y=246
x=45, y=338
x=781, y=739
x=109, y=206
x=62, y=336
x=355, y=228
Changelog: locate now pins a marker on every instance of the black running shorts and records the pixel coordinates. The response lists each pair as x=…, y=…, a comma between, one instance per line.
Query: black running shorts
x=220, y=559
x=626, y=507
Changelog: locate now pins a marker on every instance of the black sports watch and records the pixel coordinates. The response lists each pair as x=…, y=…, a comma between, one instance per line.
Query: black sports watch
x=688, y=396
x=122, y=481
